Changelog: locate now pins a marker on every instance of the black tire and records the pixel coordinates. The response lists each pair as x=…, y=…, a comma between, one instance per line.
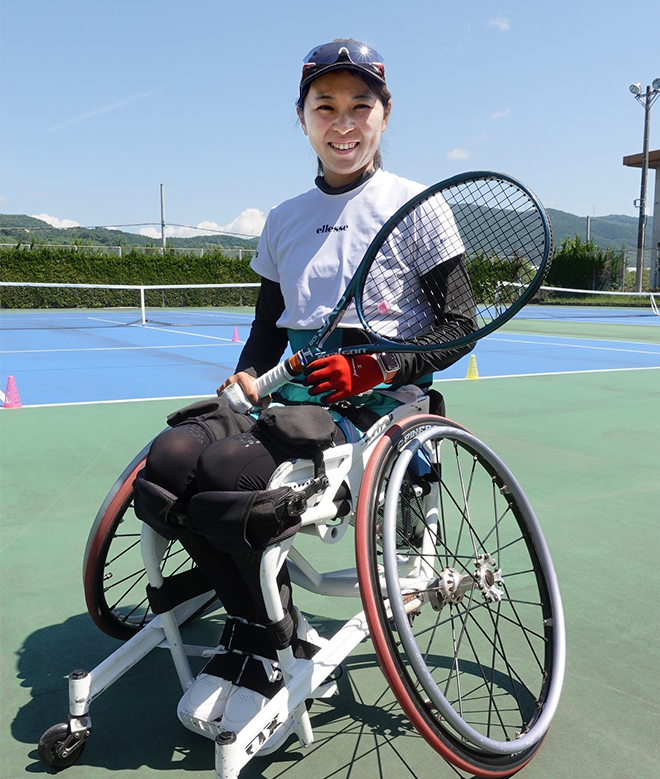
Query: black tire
x=52, y=745
x=113, y=572
x=471, y=640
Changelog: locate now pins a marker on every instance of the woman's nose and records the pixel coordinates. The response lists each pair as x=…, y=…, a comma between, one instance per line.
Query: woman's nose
x=344, y=122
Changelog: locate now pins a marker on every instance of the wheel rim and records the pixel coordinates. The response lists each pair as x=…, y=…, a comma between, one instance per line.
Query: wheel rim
x=473, y=675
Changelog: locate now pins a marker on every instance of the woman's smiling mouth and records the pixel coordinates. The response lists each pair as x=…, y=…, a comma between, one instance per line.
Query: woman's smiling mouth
x=343, y=146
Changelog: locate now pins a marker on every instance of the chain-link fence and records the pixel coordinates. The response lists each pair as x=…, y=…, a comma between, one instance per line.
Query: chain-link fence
x=118, y=251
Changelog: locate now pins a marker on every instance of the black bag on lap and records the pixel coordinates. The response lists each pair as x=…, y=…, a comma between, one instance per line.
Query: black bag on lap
x=302, y=431
x=215, y=415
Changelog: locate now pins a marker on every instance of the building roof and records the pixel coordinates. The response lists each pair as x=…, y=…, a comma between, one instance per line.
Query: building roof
x=635, y=160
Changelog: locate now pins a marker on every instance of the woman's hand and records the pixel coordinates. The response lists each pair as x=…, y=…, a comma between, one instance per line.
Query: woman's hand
x=246, y=383
x=341, y=377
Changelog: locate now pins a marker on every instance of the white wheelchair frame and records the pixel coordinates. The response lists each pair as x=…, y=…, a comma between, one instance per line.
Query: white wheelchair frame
x=304, y=679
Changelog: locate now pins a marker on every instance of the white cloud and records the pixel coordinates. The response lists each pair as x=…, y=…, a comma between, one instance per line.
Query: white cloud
x=249, y=223
x=500, y=114
x=501, y=22
x=458, y=154
x=55, y=222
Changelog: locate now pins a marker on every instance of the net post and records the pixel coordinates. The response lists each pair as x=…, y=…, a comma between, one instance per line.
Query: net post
x=142, y=306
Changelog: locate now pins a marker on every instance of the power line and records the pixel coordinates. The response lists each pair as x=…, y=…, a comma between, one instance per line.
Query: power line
x=134, y=224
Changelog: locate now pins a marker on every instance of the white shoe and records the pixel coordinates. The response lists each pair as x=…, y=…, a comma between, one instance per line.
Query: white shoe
x=203, y=704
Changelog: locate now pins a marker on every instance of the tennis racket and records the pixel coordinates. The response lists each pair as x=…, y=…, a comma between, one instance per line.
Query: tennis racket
x=487, y=230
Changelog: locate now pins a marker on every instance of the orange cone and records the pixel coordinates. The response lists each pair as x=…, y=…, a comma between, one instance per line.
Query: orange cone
x=11, y=395
x=235, y=336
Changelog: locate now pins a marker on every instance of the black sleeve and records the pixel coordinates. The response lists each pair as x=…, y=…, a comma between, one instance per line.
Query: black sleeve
x=448, y=289
x=266, y=343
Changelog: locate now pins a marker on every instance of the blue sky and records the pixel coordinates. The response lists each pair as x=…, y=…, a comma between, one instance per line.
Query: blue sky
x=104, y=101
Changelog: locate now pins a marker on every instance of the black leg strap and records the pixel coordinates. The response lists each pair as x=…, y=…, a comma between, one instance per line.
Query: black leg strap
x=249, y=639
x=238, y=663
x=177, y=589
x=244, y=670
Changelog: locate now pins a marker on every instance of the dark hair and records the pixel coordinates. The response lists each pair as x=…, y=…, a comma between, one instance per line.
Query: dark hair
x=378, y=88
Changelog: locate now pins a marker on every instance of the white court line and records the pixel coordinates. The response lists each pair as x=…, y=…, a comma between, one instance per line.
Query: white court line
x=556, y=373
x=163, y=329
x=574, y=346
x=119, y=348
x=122, y=400
x=183, y=332
x=195, y=397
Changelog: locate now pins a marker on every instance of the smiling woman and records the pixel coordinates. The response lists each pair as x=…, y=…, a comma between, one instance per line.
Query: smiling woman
x=310, y=248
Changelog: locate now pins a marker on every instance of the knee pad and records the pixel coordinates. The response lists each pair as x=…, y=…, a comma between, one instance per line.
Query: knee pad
x=153, y=505
x=236, y=522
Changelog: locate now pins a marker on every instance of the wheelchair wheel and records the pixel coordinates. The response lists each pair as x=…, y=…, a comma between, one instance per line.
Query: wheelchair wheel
x=113, y=572
x=460, y=596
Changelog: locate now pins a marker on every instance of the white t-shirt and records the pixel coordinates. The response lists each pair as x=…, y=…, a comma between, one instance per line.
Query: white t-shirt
x=312, y=244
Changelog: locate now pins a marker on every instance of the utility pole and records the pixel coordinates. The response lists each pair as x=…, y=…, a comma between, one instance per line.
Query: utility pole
x=646, y=100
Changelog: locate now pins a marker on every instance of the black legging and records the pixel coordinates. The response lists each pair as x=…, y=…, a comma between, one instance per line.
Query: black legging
x=183, y=461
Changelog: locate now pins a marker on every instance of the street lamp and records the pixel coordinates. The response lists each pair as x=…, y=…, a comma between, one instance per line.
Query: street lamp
x=646, y=100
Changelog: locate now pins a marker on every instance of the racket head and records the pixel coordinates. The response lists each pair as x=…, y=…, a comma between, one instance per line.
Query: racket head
x=498, y=228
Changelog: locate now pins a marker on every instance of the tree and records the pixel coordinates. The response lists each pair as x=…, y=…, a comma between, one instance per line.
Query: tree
x=582, y=265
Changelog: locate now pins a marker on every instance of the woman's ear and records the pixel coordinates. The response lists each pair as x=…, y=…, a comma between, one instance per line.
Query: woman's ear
x=386, y=115
x=301, y=118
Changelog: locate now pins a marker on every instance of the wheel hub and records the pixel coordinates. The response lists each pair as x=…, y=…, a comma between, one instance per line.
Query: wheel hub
x=451, y=586
x=489, y=578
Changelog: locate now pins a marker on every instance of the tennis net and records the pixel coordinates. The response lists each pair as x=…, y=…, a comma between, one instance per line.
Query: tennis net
x=42, y=305
x=566, y=303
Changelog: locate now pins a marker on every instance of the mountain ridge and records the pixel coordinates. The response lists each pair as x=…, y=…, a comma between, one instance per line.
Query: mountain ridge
x=613, y=231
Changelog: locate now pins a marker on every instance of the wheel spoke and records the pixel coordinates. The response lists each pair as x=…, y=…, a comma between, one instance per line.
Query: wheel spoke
x=474, y=661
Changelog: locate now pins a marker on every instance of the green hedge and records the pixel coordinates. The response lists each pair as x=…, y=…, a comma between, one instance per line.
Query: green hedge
x=85, y=266
x=579, y=264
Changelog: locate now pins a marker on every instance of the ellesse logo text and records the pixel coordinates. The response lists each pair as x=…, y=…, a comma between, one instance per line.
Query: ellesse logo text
x=331, y=229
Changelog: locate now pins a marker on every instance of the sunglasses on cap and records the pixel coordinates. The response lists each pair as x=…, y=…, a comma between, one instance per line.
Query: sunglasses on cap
x=348, y=54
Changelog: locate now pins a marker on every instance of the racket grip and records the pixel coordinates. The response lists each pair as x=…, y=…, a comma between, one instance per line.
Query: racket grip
x=279, y=375
x=264, y=385
x=237, y=399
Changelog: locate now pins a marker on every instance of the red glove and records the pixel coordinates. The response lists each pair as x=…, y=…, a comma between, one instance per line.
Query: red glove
x=343, y=376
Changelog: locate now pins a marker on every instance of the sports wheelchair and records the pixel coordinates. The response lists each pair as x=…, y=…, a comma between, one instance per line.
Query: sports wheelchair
x=458, y=591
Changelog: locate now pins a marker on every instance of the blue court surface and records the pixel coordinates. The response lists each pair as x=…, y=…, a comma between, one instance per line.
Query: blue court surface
x=100, y=358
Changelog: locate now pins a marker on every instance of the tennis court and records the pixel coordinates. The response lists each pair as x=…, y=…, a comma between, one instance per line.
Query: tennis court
x=569, y=402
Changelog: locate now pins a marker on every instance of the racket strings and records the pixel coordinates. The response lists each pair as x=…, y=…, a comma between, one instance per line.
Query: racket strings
x=454, y=262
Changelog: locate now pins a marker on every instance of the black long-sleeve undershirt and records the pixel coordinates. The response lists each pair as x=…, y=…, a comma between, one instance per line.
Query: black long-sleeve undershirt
x=447, y=288
x=266, y=343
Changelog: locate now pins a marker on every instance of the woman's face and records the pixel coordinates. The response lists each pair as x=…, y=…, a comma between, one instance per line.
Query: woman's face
x=344, y=120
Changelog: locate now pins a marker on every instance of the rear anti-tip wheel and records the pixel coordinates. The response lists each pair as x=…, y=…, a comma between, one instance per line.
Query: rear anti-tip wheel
x=58, y=748
x=460, y=595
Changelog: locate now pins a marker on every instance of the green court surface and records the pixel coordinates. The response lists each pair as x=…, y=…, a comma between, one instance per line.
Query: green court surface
x=586, y=450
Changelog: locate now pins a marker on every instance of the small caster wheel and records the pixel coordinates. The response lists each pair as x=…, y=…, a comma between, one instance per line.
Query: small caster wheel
x=58, y=748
